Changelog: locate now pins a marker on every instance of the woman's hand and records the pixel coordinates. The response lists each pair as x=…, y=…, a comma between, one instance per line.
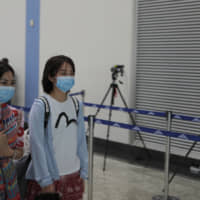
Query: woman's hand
x=48, y=189
x=5, y=150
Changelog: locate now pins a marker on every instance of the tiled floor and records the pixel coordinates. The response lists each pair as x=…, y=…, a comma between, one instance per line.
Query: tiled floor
x=123, y=181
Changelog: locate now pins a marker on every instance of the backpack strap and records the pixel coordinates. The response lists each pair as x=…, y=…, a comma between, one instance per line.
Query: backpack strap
x=47, y=110
x=76, y=105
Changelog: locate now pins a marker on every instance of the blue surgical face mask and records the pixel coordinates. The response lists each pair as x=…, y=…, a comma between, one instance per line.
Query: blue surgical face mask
x=6, y=93
x=65, y=83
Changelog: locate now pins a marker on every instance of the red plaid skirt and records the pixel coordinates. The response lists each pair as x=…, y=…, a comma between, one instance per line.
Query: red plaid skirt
x=70, y=186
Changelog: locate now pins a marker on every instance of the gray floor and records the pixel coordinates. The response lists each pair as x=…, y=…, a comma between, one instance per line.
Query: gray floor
x=123, y=181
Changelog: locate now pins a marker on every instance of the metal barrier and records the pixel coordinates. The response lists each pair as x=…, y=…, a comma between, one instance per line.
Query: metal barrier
x=167, y=163
x=167, y=156
x=167, y=133
x=91, y=120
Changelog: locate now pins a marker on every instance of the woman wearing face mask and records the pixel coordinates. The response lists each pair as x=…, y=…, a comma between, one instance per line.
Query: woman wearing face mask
x=59, y=153
x=11, y=132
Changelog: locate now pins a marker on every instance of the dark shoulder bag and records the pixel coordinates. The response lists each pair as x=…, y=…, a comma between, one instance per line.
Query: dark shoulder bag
x=76, y=105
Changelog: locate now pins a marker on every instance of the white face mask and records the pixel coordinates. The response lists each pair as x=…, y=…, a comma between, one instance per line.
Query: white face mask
x=6, y=93
x=65, y=83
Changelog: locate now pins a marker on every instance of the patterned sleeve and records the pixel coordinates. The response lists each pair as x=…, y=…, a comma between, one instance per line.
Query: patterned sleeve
x=20, y=126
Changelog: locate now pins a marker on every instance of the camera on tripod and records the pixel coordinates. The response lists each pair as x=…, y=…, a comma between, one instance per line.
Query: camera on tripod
x=113, y=90
x=117, y=69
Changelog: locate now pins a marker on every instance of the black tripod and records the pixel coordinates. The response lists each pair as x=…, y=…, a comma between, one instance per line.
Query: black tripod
x=114, y=88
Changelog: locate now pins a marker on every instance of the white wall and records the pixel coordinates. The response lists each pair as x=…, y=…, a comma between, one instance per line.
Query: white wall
x=97, y=34
x=12, y=41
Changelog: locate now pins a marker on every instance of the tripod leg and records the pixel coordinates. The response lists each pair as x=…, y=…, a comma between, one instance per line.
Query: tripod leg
x=134, y=123
x=107, y=140
x=104, y=98
x=108, y=129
